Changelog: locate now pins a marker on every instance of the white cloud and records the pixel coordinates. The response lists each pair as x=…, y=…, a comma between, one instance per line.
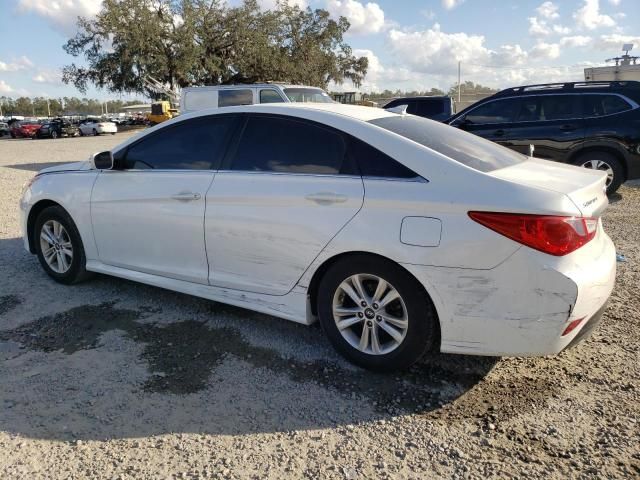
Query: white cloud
x=21, y=63
x=52, y=77
x=548, y=10
x=589, y=16
x=614, y=2
x=428, y=14
x=364, y=19
x=5, y=87
x=615, y=41
x=575, y=41
x=538, y=28
x=545, y=50
x=560, y=30
x=449, y=4
x=62, y=14
x=271, y=4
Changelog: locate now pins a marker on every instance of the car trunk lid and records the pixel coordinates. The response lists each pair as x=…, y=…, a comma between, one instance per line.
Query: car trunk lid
x=586, y=188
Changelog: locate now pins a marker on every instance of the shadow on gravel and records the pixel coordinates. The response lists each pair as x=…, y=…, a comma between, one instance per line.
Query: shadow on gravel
x=181, y=359
x=34, y=167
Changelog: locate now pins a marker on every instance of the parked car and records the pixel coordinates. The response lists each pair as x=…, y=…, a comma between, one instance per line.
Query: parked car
x=198, y=98
x=97, y=127
x=24, y=129
x=400, y=234
x=591, y=124
x=4, y=129
x=57, y=128
x=434, y=107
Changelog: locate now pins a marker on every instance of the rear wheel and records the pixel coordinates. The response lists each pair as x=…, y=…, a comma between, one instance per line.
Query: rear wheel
x=59, y=246
x=604, y=162
x=95, y=132
x=376, y=314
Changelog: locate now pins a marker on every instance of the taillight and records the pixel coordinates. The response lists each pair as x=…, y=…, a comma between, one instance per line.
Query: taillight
x=555, y=235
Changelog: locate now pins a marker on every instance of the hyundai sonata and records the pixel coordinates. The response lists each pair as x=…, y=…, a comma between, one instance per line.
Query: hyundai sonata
x=399, y=234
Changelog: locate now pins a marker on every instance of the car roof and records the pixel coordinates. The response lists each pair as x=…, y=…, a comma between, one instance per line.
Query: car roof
x=249, y=85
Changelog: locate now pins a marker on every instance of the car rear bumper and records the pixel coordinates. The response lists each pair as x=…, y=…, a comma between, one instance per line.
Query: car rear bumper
x=523, y=306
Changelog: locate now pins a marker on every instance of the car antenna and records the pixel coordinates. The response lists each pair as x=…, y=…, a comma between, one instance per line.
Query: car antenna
x=401, y=109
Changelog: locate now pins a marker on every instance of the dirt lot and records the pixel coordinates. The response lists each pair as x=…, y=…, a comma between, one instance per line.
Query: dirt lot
x=112, y=379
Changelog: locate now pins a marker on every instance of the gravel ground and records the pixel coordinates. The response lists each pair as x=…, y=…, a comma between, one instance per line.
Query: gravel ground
x=112, y=379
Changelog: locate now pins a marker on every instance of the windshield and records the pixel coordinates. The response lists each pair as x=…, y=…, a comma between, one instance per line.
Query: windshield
x=307, y=95
x=468, y=149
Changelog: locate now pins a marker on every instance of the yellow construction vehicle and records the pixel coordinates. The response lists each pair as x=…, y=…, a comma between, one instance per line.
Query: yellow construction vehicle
x=161, y=112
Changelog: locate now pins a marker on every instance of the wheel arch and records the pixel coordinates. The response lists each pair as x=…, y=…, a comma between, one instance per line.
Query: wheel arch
x=602, y=148
x=36, y=209
x=314, y=283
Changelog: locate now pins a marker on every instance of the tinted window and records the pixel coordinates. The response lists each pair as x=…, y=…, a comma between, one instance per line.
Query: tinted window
x=598, y=105
x=230, y=98
x=276, y=144
x=428, y=108
x=270, y=96
x=195, y=144
x=468, y=149
x=497, y=111
x=373, y=163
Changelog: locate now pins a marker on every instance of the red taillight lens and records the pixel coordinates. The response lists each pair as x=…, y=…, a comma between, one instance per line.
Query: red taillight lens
x=572, y=326
x=554, y=235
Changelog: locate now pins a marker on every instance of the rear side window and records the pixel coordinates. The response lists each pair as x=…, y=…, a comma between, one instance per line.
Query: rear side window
x=199, y=99
x=279, y=144
x=497, y=111
x=373, y=163
x=230, y=98
x=427, y=108
x=461, y=146
x=270, y=96
x=191, y=145
x=599, y=105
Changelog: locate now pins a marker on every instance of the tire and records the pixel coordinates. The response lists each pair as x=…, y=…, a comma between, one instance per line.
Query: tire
x=13, y=135
x=54, y=135
x=95, y=132
x=604, y=161
x=415, y=320
x=80, y=133
x=75, y=270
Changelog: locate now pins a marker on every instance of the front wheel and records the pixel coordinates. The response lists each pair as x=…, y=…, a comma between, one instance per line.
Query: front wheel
x=604, y=162
x=376, y=314
x=95, y=132
x=59, y=246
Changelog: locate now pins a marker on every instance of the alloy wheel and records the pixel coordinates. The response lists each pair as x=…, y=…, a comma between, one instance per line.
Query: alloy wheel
x=370, y=314
x=602, y=166
x=56, y=246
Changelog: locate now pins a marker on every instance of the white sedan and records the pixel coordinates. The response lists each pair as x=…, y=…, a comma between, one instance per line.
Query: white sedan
x=399, y=234
x=98, y=127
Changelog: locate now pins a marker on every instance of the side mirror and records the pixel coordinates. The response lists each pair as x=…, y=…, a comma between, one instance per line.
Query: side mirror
x=102, y=161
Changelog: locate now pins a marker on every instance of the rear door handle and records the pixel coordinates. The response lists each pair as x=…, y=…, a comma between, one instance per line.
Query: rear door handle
x=499, y=133
x=567, y=128
x=326, y=198
x=186, y=196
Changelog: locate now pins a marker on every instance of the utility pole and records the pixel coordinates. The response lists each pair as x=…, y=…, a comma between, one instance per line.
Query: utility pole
x=48, y=109
x=459, y=85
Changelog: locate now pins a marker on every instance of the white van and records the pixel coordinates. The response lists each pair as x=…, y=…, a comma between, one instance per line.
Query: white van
x=198, y=98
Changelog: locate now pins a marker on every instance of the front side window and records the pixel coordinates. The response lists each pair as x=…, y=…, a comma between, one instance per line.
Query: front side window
x=278, y=144
x=191, y=145
x=461, y=146
x=270, y=96
x=497, y=111
x=230, y=98
x=307, y=95
x=429, y=107
x=599, y=105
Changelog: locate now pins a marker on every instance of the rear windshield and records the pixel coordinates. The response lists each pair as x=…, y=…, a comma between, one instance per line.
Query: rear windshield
x=305, y=95
x=468, y=149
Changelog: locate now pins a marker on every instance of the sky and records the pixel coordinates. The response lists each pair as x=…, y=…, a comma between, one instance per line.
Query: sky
x=410, y=44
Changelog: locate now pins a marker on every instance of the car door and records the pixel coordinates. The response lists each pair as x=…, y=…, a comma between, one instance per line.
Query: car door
x=492, y=120
x=148, y=213
x=279, y=199
x=552, y=123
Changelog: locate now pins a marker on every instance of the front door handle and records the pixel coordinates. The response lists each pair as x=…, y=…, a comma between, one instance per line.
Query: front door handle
x=326, y=198
x=567, y=128
x=186, y=196
x=499, y=133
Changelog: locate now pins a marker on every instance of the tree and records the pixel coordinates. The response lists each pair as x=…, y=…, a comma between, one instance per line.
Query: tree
x=470, y=88
x=196, y=42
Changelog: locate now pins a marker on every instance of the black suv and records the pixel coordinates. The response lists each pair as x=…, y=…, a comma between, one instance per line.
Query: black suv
x=591, y=124
x=57, y=128
x=434, y=107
